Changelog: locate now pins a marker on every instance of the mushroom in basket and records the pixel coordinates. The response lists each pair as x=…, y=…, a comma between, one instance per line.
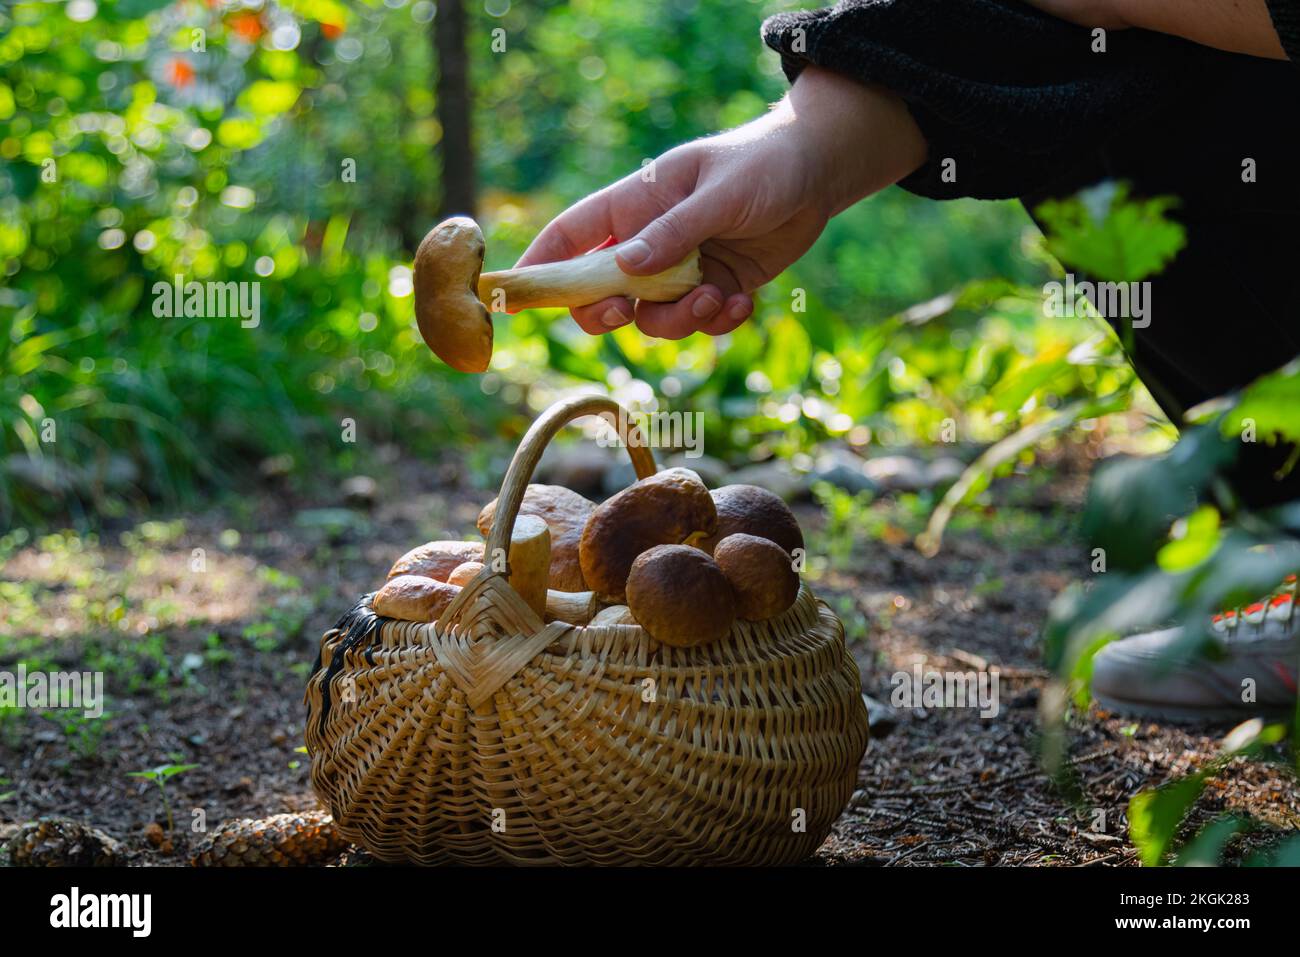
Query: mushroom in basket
x=672, y=507
x=565, y=513
x=680, y=596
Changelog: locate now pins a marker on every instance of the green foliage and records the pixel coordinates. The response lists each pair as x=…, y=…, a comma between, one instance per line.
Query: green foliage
x=1269, y=407
x=1172, y=555
x=226, y=164
x=1206, y=848
x=1193, y=540
x=1110, y=236
x=1132, y=502
x=83, y=735
x=1156, y=816
x=130, y=159
x=977, y=477
x=160, y=776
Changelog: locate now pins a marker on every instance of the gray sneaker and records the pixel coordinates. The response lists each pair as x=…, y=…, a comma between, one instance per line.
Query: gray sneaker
x=1256, y=675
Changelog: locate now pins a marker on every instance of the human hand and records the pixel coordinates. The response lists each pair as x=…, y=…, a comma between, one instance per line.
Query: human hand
x=753, y=199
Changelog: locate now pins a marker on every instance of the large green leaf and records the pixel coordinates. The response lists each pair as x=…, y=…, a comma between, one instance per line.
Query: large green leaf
x=1270, y=406
x=1110, y=236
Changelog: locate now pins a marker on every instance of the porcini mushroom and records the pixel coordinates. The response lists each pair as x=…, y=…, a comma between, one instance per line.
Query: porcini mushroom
x=451, y=290
x=462, y=575
x=679, y=595
x=437, y=560
x=669, y=508
x=754, y=511
x=454, y=324
x=761, y=575
x=565, y=513
x=413, y=598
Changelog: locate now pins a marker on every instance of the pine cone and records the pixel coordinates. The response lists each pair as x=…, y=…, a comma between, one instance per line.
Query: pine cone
x=285, y=840
x=59, y=842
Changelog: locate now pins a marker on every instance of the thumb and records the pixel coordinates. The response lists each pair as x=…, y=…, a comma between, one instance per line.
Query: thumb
x=667, y=240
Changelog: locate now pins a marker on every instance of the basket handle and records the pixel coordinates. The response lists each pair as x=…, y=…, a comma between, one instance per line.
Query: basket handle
x=534, y=443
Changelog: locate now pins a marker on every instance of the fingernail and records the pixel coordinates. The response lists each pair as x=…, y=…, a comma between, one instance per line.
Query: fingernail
x=739, y=311
x=705, y=306
x=613, y=319
x=635, y=252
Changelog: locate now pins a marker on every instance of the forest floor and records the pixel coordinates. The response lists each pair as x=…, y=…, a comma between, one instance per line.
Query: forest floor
x=208, y=667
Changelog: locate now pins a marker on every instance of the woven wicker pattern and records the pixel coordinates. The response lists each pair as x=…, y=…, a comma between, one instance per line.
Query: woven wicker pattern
x=487, y=737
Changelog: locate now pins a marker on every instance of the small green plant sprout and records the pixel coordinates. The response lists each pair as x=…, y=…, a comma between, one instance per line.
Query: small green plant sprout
x=159, y=776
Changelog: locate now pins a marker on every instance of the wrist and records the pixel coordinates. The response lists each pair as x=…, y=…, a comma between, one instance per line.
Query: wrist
x=859, y=137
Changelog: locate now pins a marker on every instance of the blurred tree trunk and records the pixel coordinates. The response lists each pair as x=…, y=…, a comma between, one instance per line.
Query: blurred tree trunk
x=456, y=148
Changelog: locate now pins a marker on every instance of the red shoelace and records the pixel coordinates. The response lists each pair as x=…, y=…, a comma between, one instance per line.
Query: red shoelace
x=1256, y=612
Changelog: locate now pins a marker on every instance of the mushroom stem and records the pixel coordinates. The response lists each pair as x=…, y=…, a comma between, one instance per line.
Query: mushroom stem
x=529, y=561
x=575, y=607
x=583, y=280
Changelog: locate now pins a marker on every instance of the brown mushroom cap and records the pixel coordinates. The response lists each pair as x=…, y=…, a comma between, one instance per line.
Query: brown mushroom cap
x=414, y=598
x=679, y=595
x=436, y=560
x=462, y=575
x=754, y=511
x=565, y=513
x=761, y=574
x=667, y=508
x=452, y=320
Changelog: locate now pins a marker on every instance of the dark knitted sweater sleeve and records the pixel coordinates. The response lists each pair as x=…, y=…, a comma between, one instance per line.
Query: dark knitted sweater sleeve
x=1011, y=95
x=1286, y=21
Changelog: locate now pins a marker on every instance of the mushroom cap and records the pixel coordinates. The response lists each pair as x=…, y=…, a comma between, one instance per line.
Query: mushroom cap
x=436, y=559
x=761, y=574
x=565, y=513
x=613, y=615
x=414, y=598
x=465, y=573
x=667, y=508
x=452, y=320
x=680, y=596
x=754, y=511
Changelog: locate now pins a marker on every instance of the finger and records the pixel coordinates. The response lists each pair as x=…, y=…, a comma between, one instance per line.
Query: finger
x=583, y=226
x=669, y=238
x=721, y=269
x=731, y=316
x=604, y=316
x=677, y=320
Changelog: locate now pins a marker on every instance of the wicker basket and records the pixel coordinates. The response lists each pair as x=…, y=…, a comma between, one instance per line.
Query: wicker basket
x=488, y=737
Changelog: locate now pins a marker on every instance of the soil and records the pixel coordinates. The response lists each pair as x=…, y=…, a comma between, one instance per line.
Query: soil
x=943, y=787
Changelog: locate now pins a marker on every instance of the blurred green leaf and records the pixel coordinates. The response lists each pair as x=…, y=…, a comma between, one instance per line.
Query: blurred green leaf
x=1155, y=816
x=1194, y=542
x=1110, y=236
x=1206, y=848
x=268, y=97
x=1269, y=409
